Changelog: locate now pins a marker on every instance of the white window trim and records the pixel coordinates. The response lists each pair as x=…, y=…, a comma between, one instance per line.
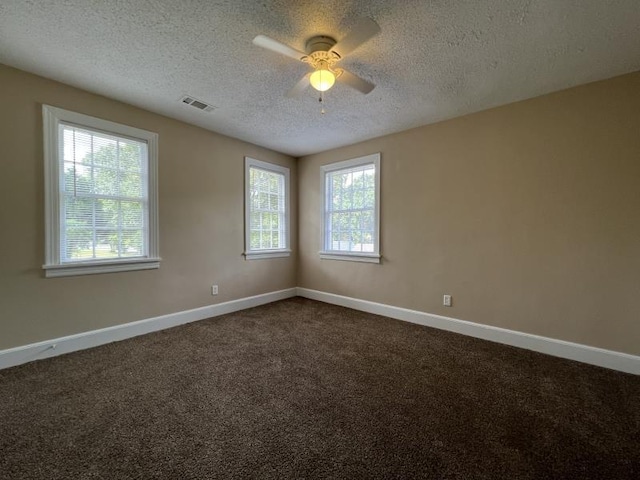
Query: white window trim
x=276, y=252
x=52, y=116
x=368, y=257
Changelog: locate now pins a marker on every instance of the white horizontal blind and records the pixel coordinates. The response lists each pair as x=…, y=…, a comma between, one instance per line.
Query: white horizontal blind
x=104, y=195
x=350, y=209
x=267, y=202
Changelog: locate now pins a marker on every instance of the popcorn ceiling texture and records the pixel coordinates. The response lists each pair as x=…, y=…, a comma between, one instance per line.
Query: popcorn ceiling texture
x=433, y=60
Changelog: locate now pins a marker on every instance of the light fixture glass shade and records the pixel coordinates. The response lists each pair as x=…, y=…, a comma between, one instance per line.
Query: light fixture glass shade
x=322, y=79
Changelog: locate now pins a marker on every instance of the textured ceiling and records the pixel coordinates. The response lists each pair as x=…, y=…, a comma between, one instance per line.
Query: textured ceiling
x=433, y=60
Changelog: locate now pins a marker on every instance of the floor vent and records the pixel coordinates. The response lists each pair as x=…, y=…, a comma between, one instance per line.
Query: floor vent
x=199, y=104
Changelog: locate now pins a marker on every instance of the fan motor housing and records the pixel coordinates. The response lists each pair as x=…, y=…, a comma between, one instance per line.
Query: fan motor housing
x=321, y=43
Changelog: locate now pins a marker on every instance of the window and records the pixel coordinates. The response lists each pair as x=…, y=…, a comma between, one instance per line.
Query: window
x=351, y=223
x=266, y=210
x=101, y=195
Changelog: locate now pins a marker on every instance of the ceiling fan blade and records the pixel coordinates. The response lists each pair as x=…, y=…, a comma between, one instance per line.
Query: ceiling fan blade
x=275, y=46
x=356, y=82
x=363, y=31
x=299, y=87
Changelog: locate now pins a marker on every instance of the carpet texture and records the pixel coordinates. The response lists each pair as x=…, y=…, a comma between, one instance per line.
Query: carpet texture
x=303, y=389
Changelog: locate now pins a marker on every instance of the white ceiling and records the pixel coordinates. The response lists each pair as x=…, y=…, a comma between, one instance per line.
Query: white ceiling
x=433, y=60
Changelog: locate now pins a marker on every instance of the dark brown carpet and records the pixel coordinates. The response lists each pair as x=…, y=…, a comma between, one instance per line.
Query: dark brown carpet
x=302, y=389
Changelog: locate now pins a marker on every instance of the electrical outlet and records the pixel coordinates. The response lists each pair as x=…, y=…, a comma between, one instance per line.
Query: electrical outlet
x=446, y=300
x=214, y=289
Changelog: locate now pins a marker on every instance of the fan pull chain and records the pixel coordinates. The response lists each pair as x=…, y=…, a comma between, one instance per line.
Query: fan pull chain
x=321, y=104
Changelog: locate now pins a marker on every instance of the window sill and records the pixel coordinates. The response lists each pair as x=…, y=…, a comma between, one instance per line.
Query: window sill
x=351, y=256
x=258, y=255
x=108, y=266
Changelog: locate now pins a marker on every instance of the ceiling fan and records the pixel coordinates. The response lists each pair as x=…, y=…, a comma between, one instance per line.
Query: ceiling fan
x=322, y=53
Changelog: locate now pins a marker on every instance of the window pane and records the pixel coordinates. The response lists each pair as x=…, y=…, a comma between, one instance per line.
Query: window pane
x=367, y=220
x=255, y=221
x=358, y=199
x=79, y=241
x=267, y=209
x=98, y=173
x=339, y=221
x=79, y=210
x=132, y=215
x=130, y=185
x=266, y=220
x=131, y=243
x=370, y=178
x=358, y=180
x=77, y=179
x=107, y=243
x=274, y=202
x=131, y=155
x=105, y=181
x=369, y=198
x=263, y=200
x=367, y=241
x=107, y=213
x=350, y=209
x=105, y=152
x=347, y=194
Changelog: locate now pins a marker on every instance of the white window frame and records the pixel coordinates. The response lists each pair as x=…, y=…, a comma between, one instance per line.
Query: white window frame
x=369, y=257
x=54, y=267
x=263, y=253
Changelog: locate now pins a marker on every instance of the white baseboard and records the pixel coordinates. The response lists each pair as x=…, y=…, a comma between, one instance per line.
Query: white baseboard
x=94, y=338
x=558, y=348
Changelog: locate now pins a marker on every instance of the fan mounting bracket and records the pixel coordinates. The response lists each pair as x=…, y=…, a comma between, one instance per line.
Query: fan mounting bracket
x=320, y=43
x=319, y=54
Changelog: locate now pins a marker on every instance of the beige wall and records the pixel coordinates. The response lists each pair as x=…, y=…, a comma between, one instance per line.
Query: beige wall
x=528, y=214
x=201, y=222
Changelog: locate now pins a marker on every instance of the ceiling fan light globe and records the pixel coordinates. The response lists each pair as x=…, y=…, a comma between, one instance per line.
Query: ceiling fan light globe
x=322, y=80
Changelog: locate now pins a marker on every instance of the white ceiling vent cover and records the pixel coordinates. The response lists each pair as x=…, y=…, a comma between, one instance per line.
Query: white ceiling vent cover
x=199, y=104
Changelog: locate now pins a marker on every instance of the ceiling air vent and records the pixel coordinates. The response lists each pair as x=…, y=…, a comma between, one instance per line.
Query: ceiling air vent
x=199, y=104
